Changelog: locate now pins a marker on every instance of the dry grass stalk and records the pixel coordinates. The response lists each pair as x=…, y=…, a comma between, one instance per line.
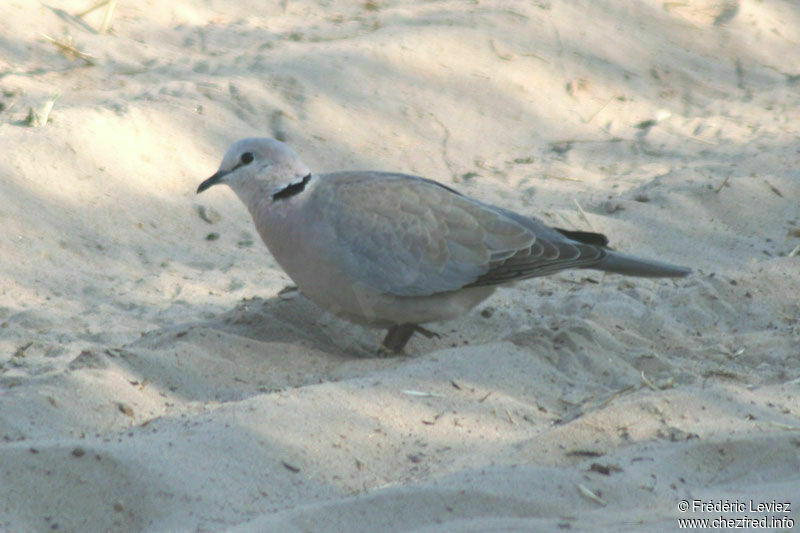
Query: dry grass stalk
x=108, y=15
x=68, y=49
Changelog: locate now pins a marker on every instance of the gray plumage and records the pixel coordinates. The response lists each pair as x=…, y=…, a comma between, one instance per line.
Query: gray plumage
x=395, y=251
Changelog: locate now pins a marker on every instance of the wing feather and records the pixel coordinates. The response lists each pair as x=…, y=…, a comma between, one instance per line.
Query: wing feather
x=409, y=236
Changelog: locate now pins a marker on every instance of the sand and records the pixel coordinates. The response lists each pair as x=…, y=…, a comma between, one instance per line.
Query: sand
x=155, y=376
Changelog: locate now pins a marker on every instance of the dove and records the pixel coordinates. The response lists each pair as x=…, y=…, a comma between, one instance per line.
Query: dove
x=395, y=251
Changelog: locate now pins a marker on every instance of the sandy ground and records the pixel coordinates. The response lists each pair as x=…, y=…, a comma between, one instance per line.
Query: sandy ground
x=153, y=376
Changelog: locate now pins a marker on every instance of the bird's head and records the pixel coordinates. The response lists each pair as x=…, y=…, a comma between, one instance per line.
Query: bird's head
x=257, y=163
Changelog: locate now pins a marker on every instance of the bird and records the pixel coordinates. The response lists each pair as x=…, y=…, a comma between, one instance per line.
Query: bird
x=395, y=251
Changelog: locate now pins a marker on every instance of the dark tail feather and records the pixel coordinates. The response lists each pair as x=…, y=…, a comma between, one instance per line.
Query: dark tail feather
x=634, y=266
x=586, y=237
x=625, y=264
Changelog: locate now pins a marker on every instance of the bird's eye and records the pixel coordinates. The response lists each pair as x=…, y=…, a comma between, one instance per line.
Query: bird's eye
x=247, y=158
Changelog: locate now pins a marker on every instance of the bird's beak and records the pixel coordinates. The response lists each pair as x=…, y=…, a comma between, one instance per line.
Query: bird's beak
x=213, y=180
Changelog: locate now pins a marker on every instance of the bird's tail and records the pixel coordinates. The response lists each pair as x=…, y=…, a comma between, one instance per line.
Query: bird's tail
x=634, y=266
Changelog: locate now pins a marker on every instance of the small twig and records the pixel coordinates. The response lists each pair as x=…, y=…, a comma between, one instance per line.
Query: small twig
x=795, y=251
x=785, y=427
x=583, y=214
x=590, y=495
x=584, y=453
x=614, y=396
x=648, y=382
x=20, y=352
x=774, y=189
x=67, y=47
x=724, y=182
x=48, y=107
x=93, y=8
x=290, y=467
x=562, y=178
x=107, y=16
x=423, y=394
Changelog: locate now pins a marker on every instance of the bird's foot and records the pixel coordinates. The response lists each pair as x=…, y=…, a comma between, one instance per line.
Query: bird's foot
x=428, y=334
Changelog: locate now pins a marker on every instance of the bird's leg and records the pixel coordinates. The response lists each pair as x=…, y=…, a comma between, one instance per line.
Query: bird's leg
x=397, y=336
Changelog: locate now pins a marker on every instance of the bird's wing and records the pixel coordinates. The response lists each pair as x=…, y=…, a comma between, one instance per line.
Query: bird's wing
x=409, y=236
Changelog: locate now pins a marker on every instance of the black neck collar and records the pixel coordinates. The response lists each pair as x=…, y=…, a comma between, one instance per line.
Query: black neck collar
x=292, y=189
